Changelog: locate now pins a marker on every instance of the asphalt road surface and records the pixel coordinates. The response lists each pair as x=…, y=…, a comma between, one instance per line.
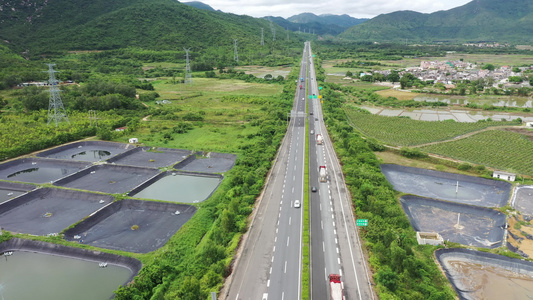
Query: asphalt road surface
x=269, y=265
x=335, y=245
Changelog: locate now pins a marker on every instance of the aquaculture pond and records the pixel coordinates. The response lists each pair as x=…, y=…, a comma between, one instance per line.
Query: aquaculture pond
x=181, y=188
x=30, y=276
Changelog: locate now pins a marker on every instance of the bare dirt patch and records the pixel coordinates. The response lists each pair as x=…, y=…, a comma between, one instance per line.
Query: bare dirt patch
x=400, y=95
x=521, y=241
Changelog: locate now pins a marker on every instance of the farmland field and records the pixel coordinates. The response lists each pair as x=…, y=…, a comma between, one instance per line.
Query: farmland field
x=504, y=150
x=406, y=132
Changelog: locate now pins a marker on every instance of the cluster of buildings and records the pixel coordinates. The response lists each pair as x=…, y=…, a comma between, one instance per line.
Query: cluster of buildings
x=448, y=72
x=487, y=45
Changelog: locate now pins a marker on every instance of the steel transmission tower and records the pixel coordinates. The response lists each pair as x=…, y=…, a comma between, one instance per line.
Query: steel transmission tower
x=273, y=30
x=56, y=111
x=235, y=53
x=188, y=75
x=262, y=37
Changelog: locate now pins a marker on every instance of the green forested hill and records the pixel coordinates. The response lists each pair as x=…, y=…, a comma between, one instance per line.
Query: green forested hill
x=479, y=20
x=54, y=25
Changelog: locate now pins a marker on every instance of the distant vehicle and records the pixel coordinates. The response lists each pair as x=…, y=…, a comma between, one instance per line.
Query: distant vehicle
x=322, y=174
x=316, y=119
x=297, y=203
x=302, y=79
x=312, y=132
x=313, y=189
x=319, y=139
x=335, y=287
x=311, y=113
x=301, y=87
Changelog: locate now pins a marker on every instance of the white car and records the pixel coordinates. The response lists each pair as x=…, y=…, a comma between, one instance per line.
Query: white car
x=297, y=203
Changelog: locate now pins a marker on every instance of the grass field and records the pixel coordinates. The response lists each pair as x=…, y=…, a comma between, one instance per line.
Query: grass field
x=228, y=109
x=206, y=88
x=406, y=132
x=504, y=150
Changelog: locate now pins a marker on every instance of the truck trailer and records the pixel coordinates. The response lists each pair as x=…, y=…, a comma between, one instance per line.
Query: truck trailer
x=335, y=287
x=322, y=174
x=319, y=139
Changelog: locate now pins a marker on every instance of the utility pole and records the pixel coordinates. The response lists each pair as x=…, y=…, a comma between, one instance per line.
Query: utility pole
x=262, y=37
x=235, y=53
x=56, y=111
x=188, y=75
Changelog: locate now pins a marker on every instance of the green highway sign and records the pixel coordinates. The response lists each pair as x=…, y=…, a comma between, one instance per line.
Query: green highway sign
x=319, y=87
x=362, y=222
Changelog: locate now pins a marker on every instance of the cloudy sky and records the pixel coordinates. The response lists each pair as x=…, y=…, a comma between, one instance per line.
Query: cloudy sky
x=354, y=8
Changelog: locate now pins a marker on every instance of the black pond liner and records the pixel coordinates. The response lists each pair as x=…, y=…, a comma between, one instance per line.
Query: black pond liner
x=159, y=176
x=33, y=164
x=108, y=178
x=10, y=190
x=213, y=163
x=514, y=265
x=130, y=263
x=15, y=186
x=441, y=185
x=522, y=200
x=150, y=158
x=112, y=226
x=49, y=210
x=69, y=151
x=481, y=227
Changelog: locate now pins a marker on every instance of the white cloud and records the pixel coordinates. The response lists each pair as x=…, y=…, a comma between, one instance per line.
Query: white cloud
x=354, y=8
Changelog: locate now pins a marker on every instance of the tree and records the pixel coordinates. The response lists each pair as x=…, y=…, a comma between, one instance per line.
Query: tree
x=379, y=77
x=349, y=74
x=489, y=67
x=387, y=278
x=191, y=289
x=440, y=86
x=393, y=77
x=268, y=77
x=515, y=79
x=368, y=78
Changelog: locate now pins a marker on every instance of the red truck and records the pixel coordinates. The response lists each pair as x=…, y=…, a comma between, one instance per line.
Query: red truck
x=335, y=287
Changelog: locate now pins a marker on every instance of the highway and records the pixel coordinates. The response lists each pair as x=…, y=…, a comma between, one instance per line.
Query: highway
x=270, y=263
x=335, y=245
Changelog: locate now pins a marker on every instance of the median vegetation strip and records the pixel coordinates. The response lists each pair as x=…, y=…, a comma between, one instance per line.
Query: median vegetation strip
x=306, y=288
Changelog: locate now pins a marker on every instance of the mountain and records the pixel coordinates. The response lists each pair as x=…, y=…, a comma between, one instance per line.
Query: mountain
x=47, y=26
x=339, y=20
x=480, y=20
x=323, y=24
x=199, y=5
